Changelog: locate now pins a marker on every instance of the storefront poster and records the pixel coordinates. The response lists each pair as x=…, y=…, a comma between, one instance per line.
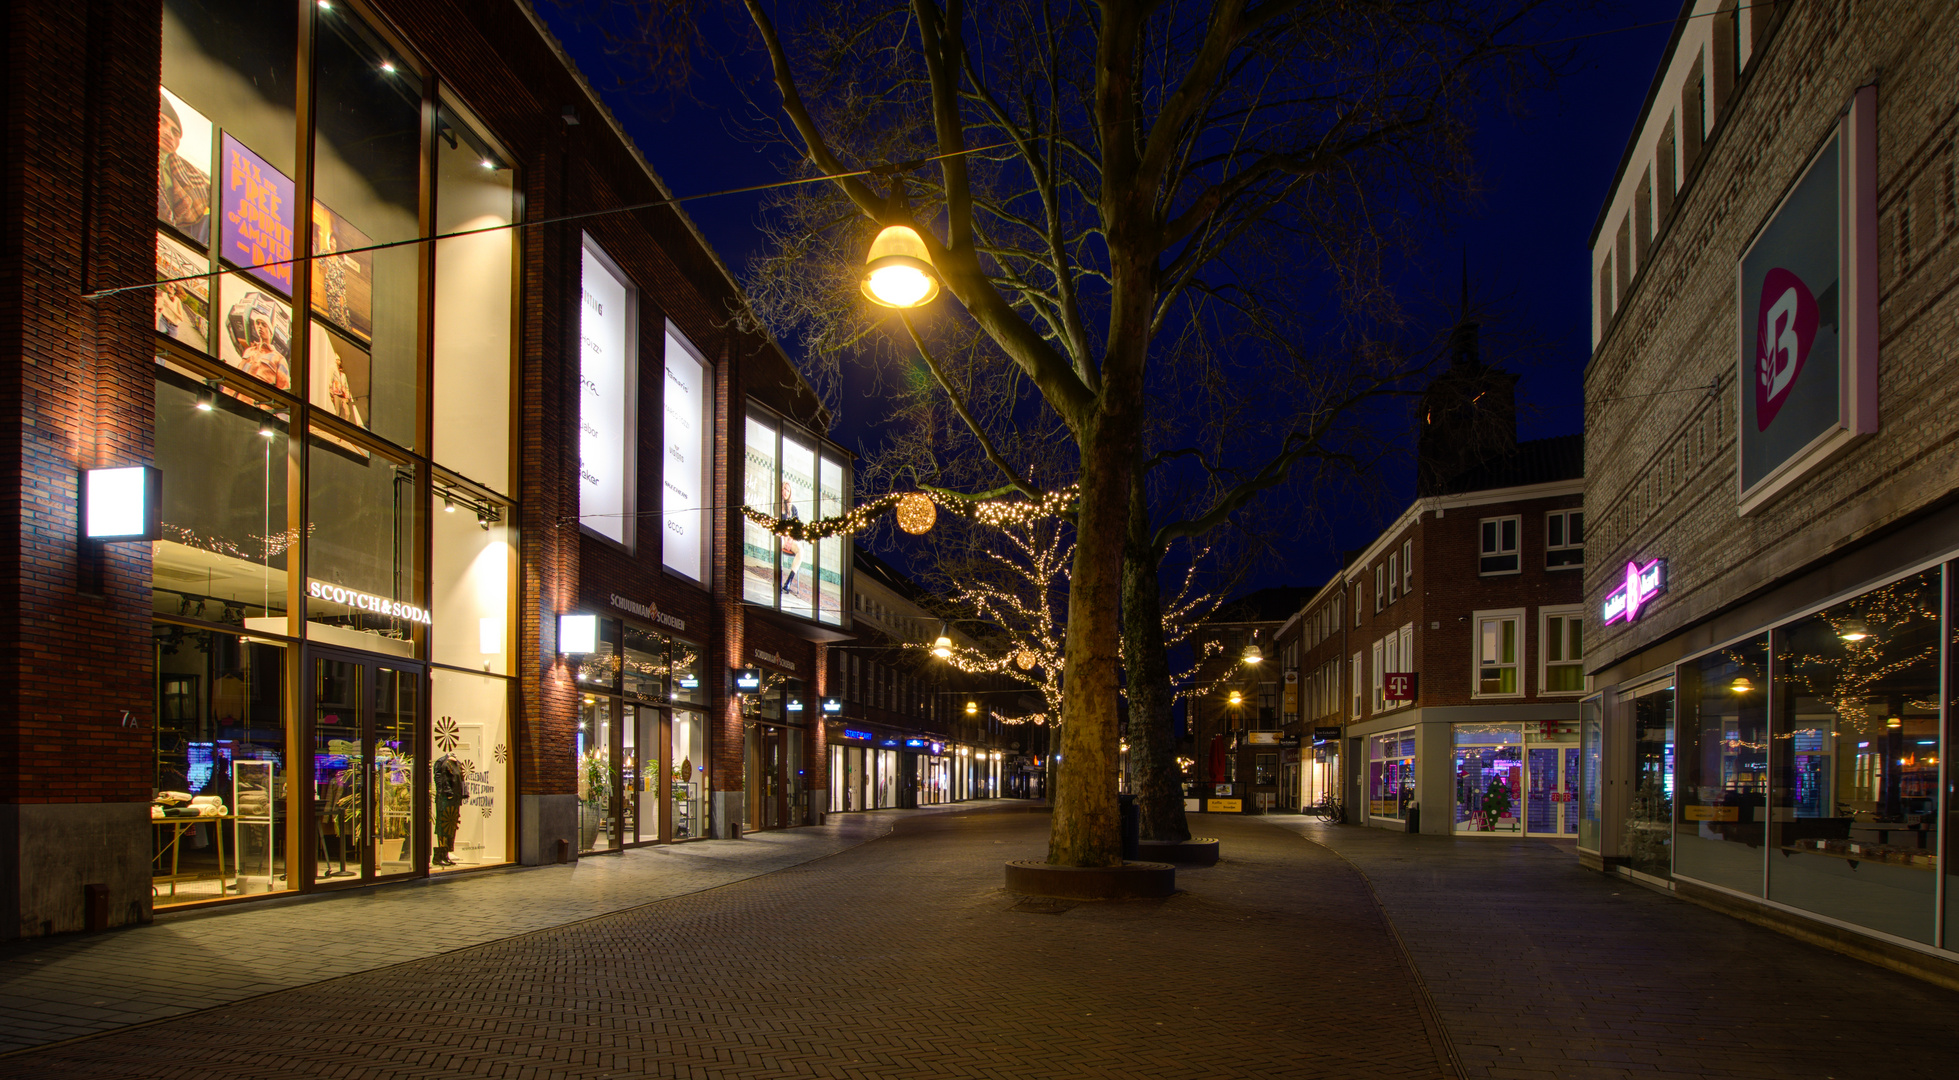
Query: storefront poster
x=605, y=328
x=682, y=509
x=257, y=202
x=183, y=308
x=1807, y=316
x=343, y=274
x=341, y=375
x=183, y=161
x=257, y=332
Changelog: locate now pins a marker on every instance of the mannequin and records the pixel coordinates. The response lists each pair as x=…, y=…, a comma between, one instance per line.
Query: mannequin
x=451, y=789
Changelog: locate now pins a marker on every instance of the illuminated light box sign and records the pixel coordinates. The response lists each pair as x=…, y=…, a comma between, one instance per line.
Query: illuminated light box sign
x=793, y=705
x=833, y=706
x=748, y=680
x=123, y=503
x=1642, y=584
x=578, y=635
x=683, y=468
x=690, y=682
x=607, y=330
x=1398, y=686
x=849, y=734
x=368, y=602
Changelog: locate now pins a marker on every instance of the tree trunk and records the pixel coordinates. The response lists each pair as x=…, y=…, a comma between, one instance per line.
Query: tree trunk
x=1153, y=773
x=1087, y=828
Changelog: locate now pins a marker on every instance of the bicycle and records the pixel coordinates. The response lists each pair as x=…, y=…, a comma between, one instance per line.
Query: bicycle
x=1330, y=810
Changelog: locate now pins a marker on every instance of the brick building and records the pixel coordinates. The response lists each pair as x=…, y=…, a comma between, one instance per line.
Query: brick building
x=1236, y=746
x=1772, y=490
x=448, y=567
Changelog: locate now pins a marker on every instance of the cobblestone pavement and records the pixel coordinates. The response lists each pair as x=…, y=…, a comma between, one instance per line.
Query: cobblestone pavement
x=64, y=987
x=1542, y=969
x=901, y=958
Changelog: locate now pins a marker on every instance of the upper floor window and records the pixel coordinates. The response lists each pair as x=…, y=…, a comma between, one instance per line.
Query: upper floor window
x=1407, y=567
x=1394, y=578
x=1498, y=548
x=1562, y=651
x=1498, y=635
x=1380, y=587
x=1564, y=539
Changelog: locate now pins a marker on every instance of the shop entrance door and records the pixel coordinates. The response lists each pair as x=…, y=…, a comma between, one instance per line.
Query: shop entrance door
x=1553, y=803
x=366, y=819
x=771, y=777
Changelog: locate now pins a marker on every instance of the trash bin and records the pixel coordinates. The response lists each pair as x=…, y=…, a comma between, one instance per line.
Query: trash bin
x=1414, y=818
x=1132, y=827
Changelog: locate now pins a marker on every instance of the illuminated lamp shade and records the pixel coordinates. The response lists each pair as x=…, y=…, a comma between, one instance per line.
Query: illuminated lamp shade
x=942, y=648
x=578, y=635
x=1237, y=698
x=917, y=513
x=1854, y=629
x=972, y=708
x=899, y=272
x=1254, y=655
x=1742, y=686
x=1024, y=659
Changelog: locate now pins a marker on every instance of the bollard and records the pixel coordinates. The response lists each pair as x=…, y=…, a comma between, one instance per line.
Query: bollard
x=1132, y=827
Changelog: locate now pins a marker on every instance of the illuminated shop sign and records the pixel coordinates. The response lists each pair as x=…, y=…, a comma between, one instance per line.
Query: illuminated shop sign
x=682, y=472
x=123, y=503
x=833, y=706
x=793, y=705
x=1642, y=584
x=748, y=680
x=849, y=734
x=368, y=602
x=1398, y=686
x=690, y=682
x=606, y=317
x=766, y=657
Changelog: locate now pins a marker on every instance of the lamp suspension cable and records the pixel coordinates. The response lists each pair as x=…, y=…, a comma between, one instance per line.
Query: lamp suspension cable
x=889, y=169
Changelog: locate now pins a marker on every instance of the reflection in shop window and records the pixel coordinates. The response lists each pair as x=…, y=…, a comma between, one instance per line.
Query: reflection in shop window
x=364, y=533
x=225, y=545
x=1722, y=757
x=1854, y=759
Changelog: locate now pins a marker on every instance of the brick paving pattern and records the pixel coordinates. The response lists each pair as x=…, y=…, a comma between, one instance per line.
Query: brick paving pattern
x=905, y=958
x=902, y=958
x=1544, y=970
x=69, y=986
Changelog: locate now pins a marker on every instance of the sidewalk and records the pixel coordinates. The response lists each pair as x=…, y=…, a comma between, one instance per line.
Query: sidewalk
x=897, y=959
x=1542, y=969
x=74, y=985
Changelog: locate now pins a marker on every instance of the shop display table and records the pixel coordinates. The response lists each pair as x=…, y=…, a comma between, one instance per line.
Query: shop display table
x=172, y=849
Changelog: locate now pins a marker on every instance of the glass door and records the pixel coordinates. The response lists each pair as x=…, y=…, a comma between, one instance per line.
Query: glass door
x=365, y=737
x=770, y=775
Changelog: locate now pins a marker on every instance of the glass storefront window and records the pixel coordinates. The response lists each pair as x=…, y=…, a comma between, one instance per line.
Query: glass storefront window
x=1591, y=744
x=365, y=532
x=790, y=476
x=218, y=809
x=597, y=824
x=1647, y=837
x=224, y=551
x=684, y=674
x=600, y=672
x=473, y=311
x=758, y=551
x=1854, y=759
x=473, y=556
x=470, y=788
x=797, y=558
x=1391, y=774
x=689, y=774
x=1722, y=757
x=1489, y=778
x=643, y=672
x=367, y=182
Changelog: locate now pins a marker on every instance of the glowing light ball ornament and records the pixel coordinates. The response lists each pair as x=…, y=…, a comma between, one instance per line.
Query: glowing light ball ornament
x=917, y=513
x=899, y=272
x=1024, y=659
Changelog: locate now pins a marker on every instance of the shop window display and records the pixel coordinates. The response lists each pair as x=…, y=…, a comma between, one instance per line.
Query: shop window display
x=469, y=788
x=689, y=774
x=1722, y=758
x=473, y=556
x=218, y=802
x=597, y=819
x=1391, y=774
x=1646, y=837
x=1489, y=778
x=789, y=476
x=364, y=535
x=1591, y=744
x=1854, y=759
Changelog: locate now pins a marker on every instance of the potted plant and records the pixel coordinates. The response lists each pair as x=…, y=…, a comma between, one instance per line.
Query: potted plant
x=594, y=795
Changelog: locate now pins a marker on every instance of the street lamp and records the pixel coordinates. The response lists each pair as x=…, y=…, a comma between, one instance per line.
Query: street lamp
x=899, y=271
x=1253, y=655
x=972, y=708
x=942, y=648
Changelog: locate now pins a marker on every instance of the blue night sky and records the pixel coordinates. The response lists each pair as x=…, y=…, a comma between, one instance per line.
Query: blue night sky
x=1546, y=165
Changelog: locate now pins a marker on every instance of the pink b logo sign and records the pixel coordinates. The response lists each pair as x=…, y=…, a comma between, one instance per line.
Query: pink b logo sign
x=1785, y=328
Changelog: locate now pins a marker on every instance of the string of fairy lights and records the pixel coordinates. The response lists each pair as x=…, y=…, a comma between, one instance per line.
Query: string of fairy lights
x=917, y=512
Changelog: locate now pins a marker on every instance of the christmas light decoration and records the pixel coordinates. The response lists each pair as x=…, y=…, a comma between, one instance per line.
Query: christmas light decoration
x=1024, y=658
x=917, y=513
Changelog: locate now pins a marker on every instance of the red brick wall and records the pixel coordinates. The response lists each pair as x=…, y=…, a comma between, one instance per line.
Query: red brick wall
x=75, y=387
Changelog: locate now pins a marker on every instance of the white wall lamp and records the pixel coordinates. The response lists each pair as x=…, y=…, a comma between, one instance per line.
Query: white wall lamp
x=578, y=635
x=122, y=504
